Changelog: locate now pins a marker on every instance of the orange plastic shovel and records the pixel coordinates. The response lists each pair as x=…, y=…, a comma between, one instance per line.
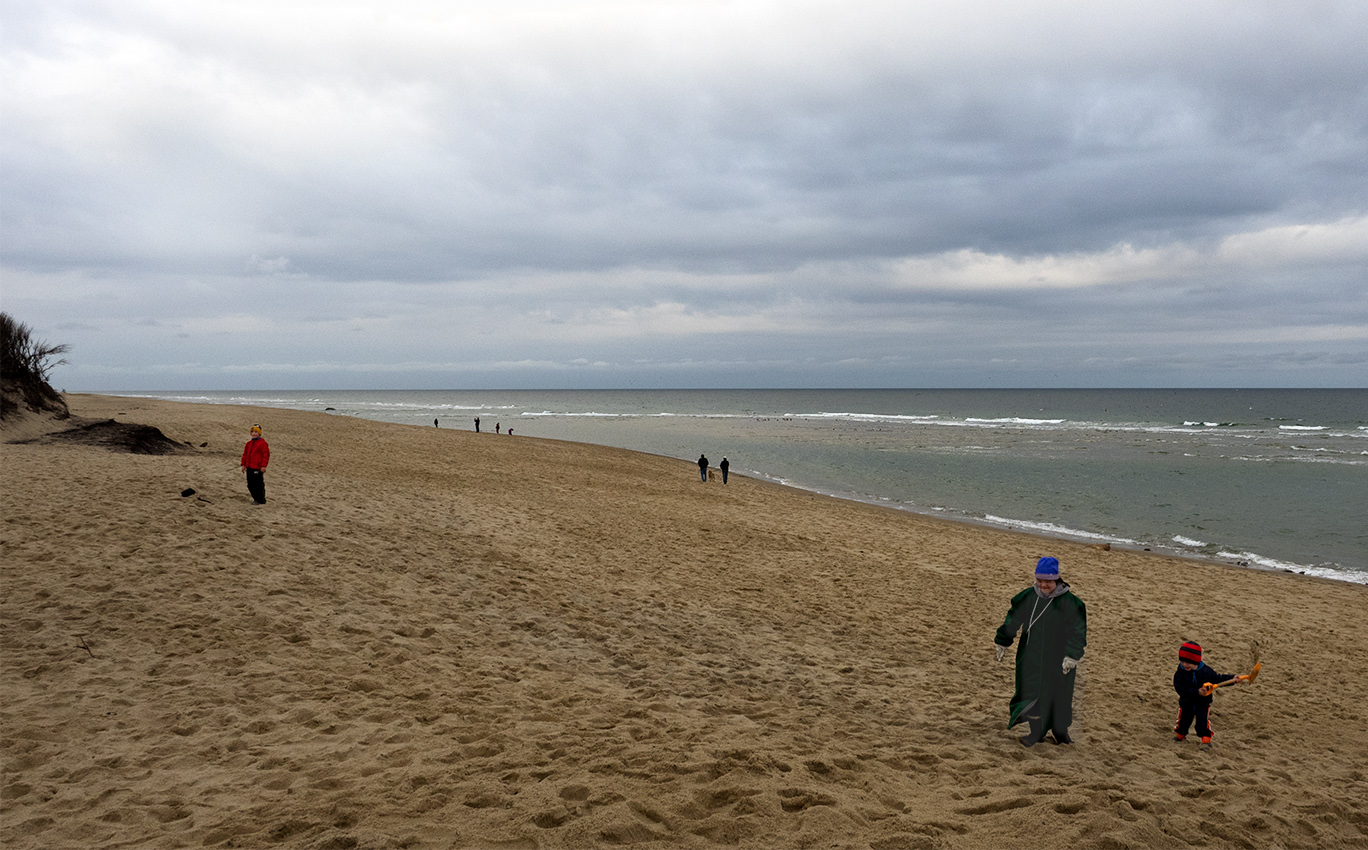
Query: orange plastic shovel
x=1206, y=690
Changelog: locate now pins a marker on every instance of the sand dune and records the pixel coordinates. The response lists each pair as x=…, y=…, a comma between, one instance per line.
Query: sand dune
x=434, y=639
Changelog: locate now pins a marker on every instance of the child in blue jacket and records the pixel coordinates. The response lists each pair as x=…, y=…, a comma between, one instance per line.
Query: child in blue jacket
x=1188, y=680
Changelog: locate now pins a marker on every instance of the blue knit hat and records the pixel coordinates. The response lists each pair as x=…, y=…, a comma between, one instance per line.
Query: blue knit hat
x=1047, y=568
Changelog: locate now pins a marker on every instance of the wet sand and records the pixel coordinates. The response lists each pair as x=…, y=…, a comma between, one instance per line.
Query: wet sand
x=432, y=638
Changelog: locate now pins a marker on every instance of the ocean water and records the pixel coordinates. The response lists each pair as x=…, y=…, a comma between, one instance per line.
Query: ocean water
x=1272, y=479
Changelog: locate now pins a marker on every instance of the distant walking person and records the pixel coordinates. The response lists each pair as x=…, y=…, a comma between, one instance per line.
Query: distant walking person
x=724, y=466
x=434, y=424
x=255, y=455
x=497, y=426
x=477, y=424
x=703, y=467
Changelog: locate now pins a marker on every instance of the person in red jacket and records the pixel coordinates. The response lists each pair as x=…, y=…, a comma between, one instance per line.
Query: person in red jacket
x=255, y=455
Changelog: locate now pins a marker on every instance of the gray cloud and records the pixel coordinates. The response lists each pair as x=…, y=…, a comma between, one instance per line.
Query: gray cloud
x=907, y=193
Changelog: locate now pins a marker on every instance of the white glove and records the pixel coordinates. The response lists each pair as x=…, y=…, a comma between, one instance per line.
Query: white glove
x=1001, y=650
x=1069, y=663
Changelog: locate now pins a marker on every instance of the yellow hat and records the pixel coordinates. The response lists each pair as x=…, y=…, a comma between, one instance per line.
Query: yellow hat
x=256, y=429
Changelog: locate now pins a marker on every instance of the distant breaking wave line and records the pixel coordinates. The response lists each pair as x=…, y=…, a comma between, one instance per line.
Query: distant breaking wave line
x=1285, y=566
x=1016, y=420
x=593, y=414
x=1059, y=530
x=870, y=417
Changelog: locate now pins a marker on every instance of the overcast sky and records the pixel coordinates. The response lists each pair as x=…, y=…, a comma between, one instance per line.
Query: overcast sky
x=279, y=194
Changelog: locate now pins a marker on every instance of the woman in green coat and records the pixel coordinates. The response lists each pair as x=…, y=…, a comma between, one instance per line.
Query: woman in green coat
x=1053, y=623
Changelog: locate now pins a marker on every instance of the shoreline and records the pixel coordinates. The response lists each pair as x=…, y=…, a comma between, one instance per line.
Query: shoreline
x=433, y=639
x=1237, y=557
x=1095, y=541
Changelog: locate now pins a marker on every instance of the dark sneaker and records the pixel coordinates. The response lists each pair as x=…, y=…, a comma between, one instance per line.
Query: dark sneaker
x=1030, y=739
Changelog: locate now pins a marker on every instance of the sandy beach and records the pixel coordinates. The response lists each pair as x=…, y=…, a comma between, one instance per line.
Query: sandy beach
x=432, y=638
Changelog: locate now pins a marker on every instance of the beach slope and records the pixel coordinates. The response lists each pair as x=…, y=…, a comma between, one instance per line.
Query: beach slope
x=434, y=639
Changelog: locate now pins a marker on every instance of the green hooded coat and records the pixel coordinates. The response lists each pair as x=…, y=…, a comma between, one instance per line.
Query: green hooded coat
x=1051, y=629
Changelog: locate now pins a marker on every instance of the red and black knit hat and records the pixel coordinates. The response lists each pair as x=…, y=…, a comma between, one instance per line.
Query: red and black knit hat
x=1190, y=651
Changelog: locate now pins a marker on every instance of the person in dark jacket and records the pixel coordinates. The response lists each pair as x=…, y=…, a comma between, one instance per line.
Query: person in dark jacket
x=255, y=455
x=1053, y=624
x=724, y=466
x=703, y=468
x=1193, y=705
